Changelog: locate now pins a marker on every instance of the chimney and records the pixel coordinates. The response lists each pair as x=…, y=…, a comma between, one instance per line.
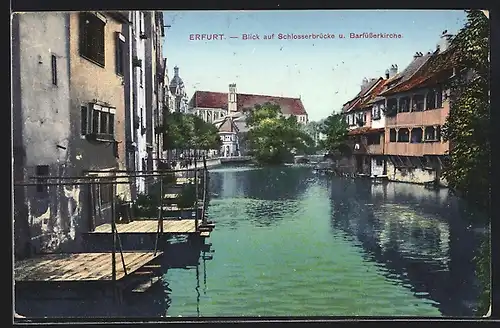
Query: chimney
x=176, y=71
x=387, y=74
x=417, y=55
x=364, y=83
x=232, y=102
x=393, y=71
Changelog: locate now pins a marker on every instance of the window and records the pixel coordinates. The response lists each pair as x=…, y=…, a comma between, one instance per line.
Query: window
x=376, y=112
x=92, y=37
x=379, y=161
x=141, y=23
x=120, y=54
x=438, y=133
x=392, y=135
x=434, y=98
x=418, y=103
x=373, y=139
x=392, y=107
x=404, y=105
x=403, y=135
x=41, y=170
x=54, y=70
x=430, y=134
x=98, y=121
x=416, y=135
x=141, y=78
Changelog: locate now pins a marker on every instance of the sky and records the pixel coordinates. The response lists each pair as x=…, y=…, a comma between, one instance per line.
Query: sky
x=323, y=73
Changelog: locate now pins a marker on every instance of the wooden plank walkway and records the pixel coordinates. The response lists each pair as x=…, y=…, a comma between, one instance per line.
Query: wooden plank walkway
x=73, y=267
x=183, y=226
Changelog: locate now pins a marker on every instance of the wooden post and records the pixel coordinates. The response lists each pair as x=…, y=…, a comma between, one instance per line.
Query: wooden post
x=161, y=205
x=196, y=194
x=113, y=249
x=205, y=191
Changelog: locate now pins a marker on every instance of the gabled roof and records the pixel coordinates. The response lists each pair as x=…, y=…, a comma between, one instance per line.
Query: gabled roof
x=408, y=72
x=368, y=99
x=436, y=69
x=208, y=99
x=359, y=98
x=227, y=125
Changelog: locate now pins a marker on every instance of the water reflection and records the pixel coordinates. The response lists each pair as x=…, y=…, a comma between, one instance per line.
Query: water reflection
x=185, y=254
x=274, y=183
x=419, y=237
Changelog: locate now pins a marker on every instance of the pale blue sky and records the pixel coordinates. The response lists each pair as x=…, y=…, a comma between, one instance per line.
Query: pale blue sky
x=325, y=73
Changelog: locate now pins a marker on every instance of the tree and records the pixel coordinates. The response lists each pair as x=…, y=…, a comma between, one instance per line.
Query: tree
x=335, y=130
x=188, y=131
x=468, y=128
x=273, y=138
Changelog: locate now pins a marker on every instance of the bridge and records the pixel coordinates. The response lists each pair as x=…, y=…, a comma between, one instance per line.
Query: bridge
x=313, y=159
x=235, y=159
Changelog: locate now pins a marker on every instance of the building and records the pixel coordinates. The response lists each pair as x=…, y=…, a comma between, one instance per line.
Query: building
x=213, y=106
x=178, y=91
x=416, y=110
x=153, y=69
x=136, y=99
x=365, y=141
x=68, y=117
x=168, y=103
x=229, y=134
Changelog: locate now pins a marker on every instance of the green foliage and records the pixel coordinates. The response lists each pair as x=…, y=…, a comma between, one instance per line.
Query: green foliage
x=483, y=271
x=188, y=131
x=468, y=124
x=468, y=129
x=335, y=130
x=145, y=206
x=272, y=138
x=187, y=197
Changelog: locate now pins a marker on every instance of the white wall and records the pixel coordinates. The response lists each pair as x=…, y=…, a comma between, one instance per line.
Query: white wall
x=380, y=123
x=230, y=140
x=416, y=175
x=45, y=107
x=209, y=114
x=377, y=169
x=140, y=94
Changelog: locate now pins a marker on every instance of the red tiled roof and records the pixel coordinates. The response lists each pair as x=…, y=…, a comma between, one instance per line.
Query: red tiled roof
x=355, y=103
x=208, y=99
x=436, y=69
x=364, y=130
x=373, y=93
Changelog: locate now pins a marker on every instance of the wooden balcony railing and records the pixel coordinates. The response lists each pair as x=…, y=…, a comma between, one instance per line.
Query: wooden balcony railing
x=416, y=149
x=425, y=118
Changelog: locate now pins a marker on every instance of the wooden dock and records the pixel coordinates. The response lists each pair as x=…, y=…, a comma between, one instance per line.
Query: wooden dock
x=79, y=267
x=149, y=226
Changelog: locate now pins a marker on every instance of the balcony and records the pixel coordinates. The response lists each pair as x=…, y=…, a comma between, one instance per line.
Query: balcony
x=428, y=117
x=416, y=149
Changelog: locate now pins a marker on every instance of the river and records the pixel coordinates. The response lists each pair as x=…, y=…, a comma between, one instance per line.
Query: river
x=291, y=243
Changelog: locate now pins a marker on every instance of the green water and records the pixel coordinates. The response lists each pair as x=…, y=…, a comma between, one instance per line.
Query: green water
x=290, y=243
